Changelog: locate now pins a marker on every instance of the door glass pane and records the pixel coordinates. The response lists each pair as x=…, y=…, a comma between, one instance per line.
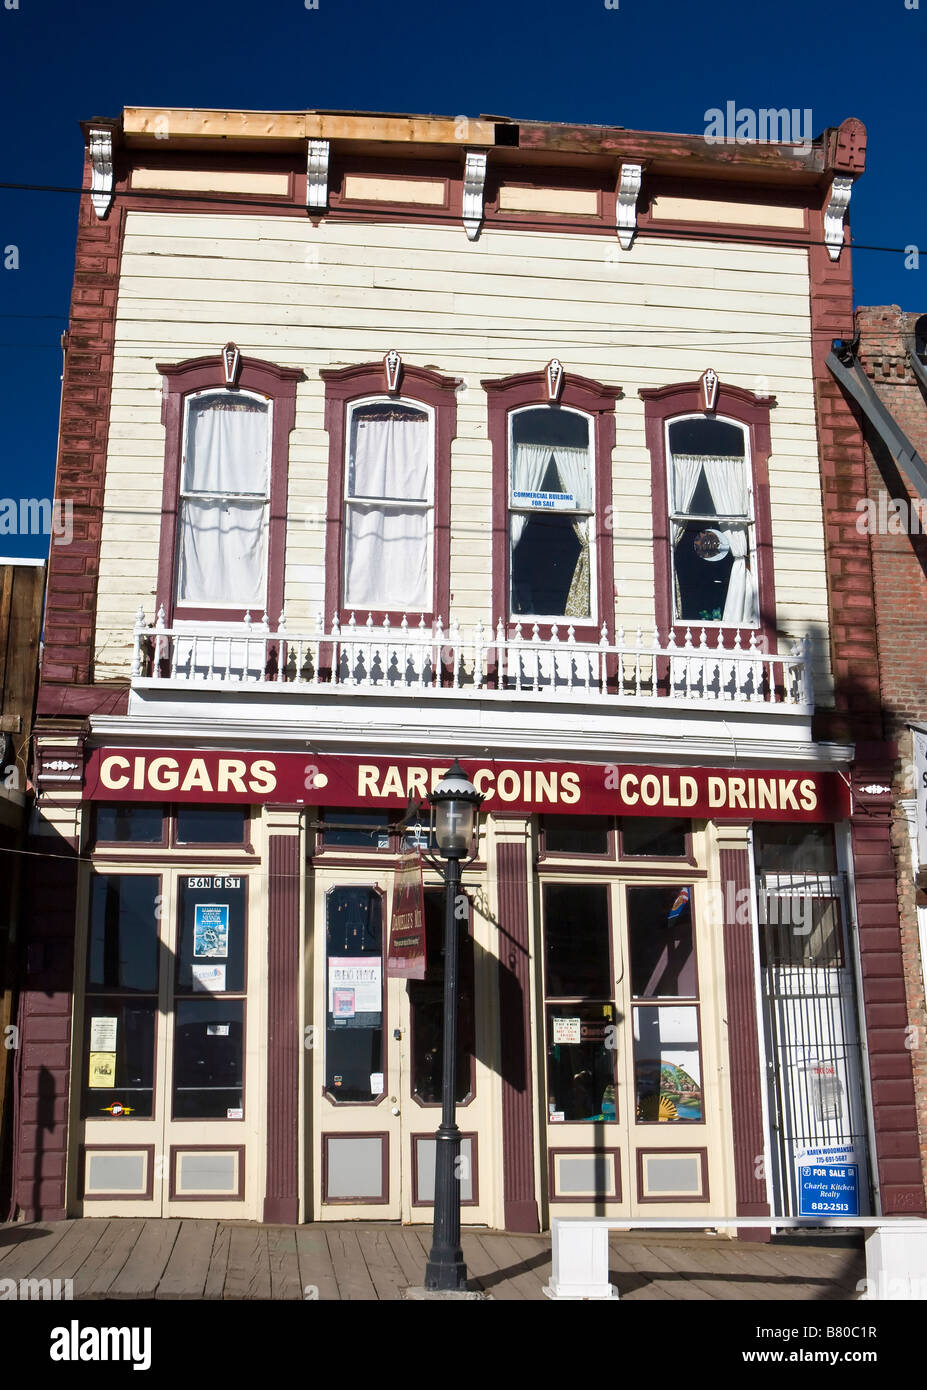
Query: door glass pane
x=141, y=824
x=576, y=937
x=426, y=1000
x=355, y=829
x=118, y=1057
x=662, y=953
x=211, y=825
x=576, y=834
x=211, y=953
x=581, y=1062
x=208, y=1051
x=354, y=994
x=667, y=1064
x=123, y=947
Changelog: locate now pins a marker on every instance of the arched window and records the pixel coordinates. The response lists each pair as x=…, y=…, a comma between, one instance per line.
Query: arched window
x=551, y=514
x=713, y=561
x=387, y=548
x=552, y=544
x=224, y=502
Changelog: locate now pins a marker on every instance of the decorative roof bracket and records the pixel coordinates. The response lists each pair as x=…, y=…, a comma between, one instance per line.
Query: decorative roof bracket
x=835, y=213
x=629, y=186
x=473, y=187
x=101, y=167
x=317, y=175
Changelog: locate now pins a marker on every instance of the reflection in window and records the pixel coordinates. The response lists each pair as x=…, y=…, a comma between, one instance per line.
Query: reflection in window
x=388, y=508
x=581, y=1062
x=355, y=829
x=208, y=1053
x=354, y=988
x=576, y=834
x=576, y=937
x=123, y=947
x=211, y=825
x=426, y=999
x=711, y=521
x=550, y=513
x=662, y=953
x=138, y=824
x=223, y=500
x=667, y=1064
x=656, y=837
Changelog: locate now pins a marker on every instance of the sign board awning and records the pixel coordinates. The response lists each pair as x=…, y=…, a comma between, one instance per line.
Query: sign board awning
x=385, y=783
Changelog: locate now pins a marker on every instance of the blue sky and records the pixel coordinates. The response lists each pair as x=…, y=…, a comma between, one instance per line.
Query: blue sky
x=646, y=65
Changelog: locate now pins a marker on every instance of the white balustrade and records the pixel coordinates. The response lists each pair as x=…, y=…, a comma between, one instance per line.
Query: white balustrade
x=431, y=659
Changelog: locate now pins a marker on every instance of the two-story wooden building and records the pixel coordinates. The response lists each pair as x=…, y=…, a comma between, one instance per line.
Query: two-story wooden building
x=397, y=439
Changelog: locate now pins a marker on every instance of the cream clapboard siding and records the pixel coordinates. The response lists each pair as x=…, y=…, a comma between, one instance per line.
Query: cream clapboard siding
x=341, y=294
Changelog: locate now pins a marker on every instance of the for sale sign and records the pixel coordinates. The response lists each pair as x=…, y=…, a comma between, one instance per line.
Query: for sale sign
x=828, y=1182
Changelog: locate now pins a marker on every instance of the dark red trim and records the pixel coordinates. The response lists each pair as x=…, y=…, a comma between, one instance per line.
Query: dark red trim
x=420, y=386
x=703, y=1196
x=519, y=1196
x=661, y=405
x=744, y=1051
x=281, y=1197
x=177, y=1149
x=579, y=393
x=593, y=1152
x=145, y=1196
x=278, y=384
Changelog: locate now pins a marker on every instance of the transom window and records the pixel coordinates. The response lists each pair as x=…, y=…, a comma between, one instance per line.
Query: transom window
x=711, y=520
x=388, y=507
x=224, y=496
x=551, y=514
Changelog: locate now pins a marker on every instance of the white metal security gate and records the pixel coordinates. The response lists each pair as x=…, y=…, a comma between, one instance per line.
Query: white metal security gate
x=816, y=1102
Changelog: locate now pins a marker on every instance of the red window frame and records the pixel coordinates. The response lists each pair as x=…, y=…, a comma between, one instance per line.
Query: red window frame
x=598, y=402
x=278, y=385
x=662, y=405
x=417, y=386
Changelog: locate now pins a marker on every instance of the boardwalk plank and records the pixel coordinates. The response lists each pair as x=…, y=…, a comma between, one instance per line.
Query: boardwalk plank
x=407, y=1250
x=29, y=1255
x=347, y=1258
x=283, y=1257
x=187, y=1269
x=315, y=1262
x=249, y=1264
x=484, y=1264
x=219, y=1262
x=81, y=1239
x=141, y=1273
x=382, y=1266
x=105, y=1261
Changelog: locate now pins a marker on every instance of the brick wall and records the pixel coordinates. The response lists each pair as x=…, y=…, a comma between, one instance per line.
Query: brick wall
x=85, y=405
x=899, y=564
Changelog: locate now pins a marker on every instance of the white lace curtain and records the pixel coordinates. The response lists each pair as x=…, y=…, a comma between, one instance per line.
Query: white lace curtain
x=726, y=477
x=223, y=525
x=387, y=545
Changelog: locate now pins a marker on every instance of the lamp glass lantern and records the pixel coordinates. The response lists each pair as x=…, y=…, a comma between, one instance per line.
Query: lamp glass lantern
x=456, y=802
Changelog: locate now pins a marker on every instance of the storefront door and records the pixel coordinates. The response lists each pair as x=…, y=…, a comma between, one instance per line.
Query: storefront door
x=635, y=1115
x=376, y=1059
x=171, y=1082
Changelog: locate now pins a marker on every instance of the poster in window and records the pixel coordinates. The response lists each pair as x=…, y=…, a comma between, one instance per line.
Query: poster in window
x=359, y=974
x=343, y=1003
x=211, y=930
x=103, y=1034
x=102, y=1075
x=209, y=979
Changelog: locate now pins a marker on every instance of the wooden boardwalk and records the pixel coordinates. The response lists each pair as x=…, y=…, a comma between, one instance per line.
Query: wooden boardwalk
x=185, y=1259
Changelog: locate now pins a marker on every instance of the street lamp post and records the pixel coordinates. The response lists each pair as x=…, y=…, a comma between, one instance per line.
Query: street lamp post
x=456, y=802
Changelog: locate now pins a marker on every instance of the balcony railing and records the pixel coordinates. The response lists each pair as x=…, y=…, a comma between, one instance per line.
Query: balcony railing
x=433, y=661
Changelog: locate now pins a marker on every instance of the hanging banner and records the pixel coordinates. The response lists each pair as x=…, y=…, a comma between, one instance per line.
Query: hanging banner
x=386, y=783
x=406, y=958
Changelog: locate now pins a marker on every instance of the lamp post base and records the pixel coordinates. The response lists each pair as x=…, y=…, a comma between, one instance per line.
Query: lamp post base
x=420, y=1295
x=446, y=1275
